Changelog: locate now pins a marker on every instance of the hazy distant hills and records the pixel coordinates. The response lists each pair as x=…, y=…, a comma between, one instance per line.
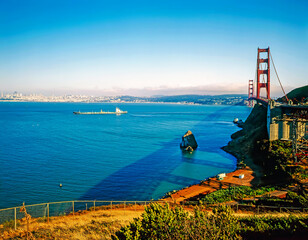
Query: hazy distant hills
x=227, y=99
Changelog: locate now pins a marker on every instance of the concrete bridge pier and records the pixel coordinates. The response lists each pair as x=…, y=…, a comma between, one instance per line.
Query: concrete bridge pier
x=285, y=130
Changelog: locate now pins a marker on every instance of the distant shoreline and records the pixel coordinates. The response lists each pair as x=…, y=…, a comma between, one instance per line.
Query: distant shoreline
x=227, y=99
x=174, y=103
x=188, y=103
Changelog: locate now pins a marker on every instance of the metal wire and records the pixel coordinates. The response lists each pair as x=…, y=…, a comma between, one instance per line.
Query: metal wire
x=278, y=78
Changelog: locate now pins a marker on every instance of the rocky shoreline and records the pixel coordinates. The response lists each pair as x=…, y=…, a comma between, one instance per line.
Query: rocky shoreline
x=243, y=142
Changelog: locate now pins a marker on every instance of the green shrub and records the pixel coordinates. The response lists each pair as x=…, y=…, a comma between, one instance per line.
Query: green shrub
x=272, y=226
x=298, y=199
x=277, y=159
x=237, y=193
x=163, y=222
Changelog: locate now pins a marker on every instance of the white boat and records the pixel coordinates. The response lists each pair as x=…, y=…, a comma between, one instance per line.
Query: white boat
x=118, y=111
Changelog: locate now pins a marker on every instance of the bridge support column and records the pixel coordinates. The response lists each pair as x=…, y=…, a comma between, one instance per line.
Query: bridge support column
x=263, y=69
x=285, y=130
x=250, y=93
x=273, y=132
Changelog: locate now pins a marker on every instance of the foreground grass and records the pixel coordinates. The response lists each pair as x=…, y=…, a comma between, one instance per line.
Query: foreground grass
x=162, y=222
x=100, y=224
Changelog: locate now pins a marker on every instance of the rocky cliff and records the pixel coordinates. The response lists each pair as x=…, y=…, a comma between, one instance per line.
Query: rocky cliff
x=243, y=141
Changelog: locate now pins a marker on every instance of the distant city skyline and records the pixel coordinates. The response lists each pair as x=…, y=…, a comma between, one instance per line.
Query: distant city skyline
x=148, y=92
x=145, y=48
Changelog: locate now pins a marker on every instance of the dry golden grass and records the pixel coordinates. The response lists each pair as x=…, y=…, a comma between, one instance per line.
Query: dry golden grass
x=99, y=224
x=93, y=225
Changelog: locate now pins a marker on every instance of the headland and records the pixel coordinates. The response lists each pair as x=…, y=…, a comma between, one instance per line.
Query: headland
x=251, y=146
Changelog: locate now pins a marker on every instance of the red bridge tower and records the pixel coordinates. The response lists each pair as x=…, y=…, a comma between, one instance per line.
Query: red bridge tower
x=263, y=68
x=250, y=92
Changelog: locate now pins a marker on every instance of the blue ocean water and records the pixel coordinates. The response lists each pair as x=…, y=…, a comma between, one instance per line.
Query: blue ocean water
x=135, y=156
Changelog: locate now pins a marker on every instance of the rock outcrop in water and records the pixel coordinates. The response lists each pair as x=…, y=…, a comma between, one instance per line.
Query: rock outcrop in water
x=189, y=142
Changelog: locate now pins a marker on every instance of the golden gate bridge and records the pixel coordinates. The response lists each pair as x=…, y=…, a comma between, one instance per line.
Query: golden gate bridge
x=285, y=121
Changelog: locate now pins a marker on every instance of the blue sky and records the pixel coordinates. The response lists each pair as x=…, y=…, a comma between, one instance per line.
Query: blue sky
x=148, y=47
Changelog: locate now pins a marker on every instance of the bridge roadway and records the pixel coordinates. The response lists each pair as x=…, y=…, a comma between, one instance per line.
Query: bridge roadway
x=259, y=100
x=299, y=111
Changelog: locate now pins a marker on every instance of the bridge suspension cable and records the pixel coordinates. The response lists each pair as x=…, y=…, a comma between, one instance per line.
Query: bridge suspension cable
x=278, y=78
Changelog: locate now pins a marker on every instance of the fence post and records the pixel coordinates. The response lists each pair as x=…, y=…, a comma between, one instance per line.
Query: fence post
x=280, y=209
x=135, y=206
x=237, y=207
x=15, y=222
x=111, y=205
x=86, y=206
x=73, y=204
x=258, y=210
x=47, y=212
x=124, y=206
x=94, y=205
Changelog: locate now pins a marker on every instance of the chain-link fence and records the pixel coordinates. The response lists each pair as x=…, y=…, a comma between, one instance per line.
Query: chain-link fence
x=53, y=209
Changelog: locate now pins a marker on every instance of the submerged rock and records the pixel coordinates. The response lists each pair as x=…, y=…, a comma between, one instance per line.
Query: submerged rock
x=188, y=141
x=238, y=122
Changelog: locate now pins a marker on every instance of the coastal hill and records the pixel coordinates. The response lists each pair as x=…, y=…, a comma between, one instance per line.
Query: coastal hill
x=297, y=95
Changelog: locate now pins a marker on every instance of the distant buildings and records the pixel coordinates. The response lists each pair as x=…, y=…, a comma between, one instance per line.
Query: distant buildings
x=184, y=99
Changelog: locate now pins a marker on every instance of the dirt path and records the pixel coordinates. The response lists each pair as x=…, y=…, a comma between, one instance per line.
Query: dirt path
x=213, y=184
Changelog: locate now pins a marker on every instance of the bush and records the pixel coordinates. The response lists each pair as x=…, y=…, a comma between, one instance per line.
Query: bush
x=163, y=222
x=237, y=193
x=298, y=199
x=275, y=157
x=265, y=227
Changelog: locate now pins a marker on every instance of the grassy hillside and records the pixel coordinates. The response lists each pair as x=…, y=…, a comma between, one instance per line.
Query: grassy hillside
x=297, y=95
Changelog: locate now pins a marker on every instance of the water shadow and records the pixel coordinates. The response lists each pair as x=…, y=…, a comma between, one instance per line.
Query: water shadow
x=140, y=179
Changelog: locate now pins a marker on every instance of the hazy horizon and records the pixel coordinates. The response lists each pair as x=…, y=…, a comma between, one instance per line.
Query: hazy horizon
x=149, y=48
x=146, y=92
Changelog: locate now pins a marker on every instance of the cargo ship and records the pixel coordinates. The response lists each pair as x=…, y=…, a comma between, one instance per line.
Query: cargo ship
x=117, y=111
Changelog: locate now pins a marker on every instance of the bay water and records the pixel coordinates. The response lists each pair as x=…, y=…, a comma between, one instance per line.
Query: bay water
x=134, y=156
